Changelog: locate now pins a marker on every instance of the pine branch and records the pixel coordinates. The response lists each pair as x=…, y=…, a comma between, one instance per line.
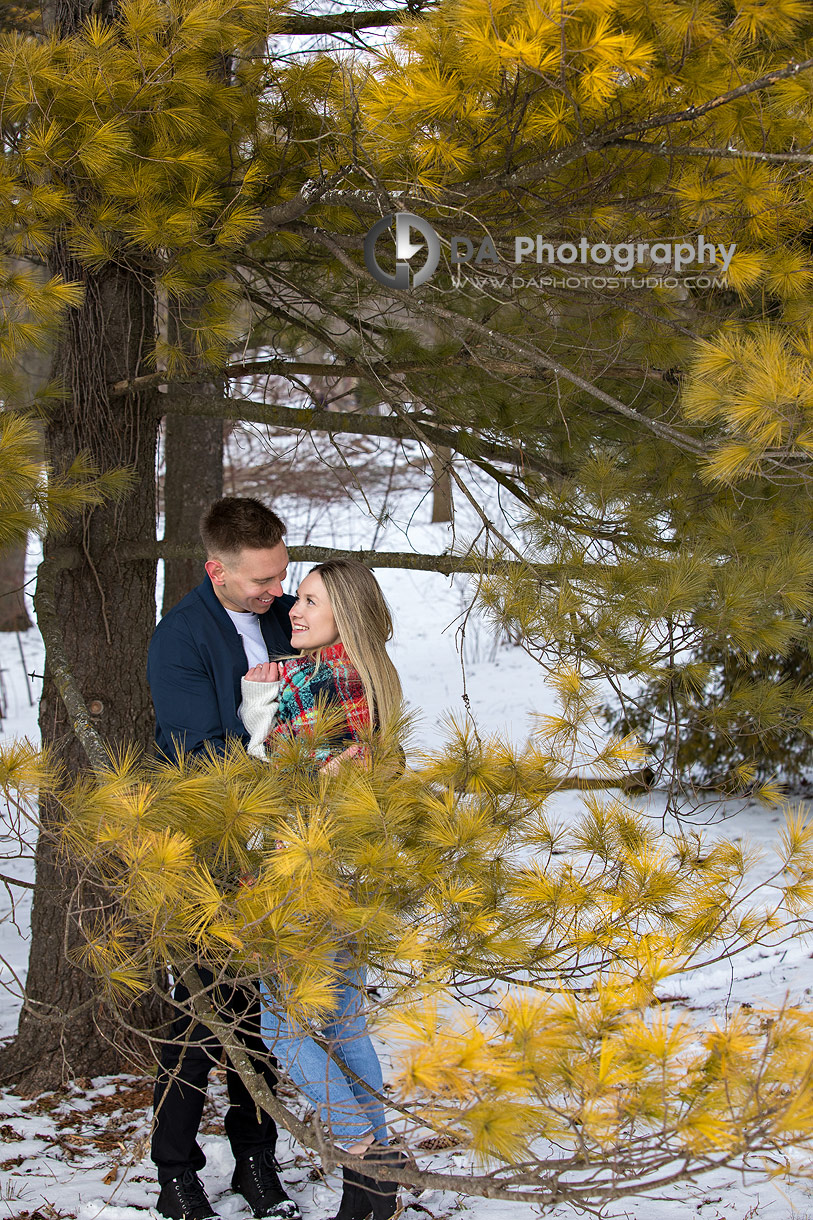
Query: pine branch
x=238, y=1055
x=281, y=367
x=540, y=170
x=371, y=201
x=690, y=113
x=413, y=561
x=385, y=368
x=636, y=781
x=350, y=368
x=310, y=193
x=516, y=1185
x=483, y=1186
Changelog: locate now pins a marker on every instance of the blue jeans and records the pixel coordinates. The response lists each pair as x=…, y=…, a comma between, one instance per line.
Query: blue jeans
x=343, y=1106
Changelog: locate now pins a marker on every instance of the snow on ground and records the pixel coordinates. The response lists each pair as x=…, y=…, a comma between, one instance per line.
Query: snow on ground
x=84, y=1153
x=20, y=655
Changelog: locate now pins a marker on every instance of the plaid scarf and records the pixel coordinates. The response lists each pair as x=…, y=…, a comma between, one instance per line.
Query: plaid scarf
x=336, y=683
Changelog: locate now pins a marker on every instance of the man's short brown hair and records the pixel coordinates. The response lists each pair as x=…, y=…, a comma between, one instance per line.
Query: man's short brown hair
x=238, y=523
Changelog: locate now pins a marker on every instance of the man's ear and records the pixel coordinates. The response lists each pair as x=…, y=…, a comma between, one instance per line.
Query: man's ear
x=216, y=571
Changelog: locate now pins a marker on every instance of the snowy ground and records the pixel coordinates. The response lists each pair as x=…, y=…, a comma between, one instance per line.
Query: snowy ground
x=84, y=1153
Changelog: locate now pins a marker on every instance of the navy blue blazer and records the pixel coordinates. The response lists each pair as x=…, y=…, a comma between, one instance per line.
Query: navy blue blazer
x=194, y=666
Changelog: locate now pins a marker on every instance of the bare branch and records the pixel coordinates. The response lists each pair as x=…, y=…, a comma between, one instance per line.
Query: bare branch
x=309, y=193
x=447, y=565
x=383, y=368
x=281, y=367
x=351, y=20
x=730, y=153
x=26, y=885
x=305, y=419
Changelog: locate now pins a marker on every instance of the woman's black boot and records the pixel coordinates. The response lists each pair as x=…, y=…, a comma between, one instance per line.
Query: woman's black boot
x=382, y=1194
x=354, y=1204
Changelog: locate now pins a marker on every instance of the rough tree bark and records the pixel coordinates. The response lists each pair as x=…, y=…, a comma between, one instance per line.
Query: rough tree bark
x=442, y=502
x=193, y=467
x=13, y=614
x=63, y=1031
x=193, y=478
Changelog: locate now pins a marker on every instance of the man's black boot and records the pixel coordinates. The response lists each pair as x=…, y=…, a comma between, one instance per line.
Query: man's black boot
x=184, y=1198
x=255, y=1177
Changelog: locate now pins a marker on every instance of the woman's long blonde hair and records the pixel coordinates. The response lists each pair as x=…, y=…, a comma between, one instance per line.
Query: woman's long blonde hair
x=364, y=624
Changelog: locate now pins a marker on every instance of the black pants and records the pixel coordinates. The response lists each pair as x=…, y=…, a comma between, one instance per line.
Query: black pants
x=180, y=1086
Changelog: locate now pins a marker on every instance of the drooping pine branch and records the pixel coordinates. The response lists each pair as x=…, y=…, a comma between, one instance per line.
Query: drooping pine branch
x=373, y=200
x=544, y=1186
x=539, y=170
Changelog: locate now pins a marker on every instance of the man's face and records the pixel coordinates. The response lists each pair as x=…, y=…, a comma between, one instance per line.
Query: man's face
x=251, y=579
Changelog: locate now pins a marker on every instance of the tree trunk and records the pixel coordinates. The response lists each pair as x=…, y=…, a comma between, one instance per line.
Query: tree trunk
x=105, y=604
x=442, y=503
x=13, y=614
x=193, y=469
x=193, y=478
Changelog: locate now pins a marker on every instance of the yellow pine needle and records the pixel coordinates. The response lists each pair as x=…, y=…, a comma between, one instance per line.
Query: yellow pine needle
x=796, y=839
x=25, y=769
x=502, y=1131
x=307, y=994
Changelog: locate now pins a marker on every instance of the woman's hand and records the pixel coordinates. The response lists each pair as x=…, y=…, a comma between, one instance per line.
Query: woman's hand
x=268, y=671
x=332, y=765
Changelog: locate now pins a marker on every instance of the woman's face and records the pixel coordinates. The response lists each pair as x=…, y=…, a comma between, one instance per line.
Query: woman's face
x=312, y=622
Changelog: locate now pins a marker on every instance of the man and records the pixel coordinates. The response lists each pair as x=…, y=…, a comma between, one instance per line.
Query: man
x=238, y=617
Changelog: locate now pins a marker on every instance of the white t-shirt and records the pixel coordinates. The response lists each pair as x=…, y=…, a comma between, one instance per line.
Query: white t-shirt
x=248, y=626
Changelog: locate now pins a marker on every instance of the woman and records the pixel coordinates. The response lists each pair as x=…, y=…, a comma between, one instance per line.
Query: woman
x=341, y=624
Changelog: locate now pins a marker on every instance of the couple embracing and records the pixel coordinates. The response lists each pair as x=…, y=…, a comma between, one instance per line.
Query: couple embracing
x=221, y=668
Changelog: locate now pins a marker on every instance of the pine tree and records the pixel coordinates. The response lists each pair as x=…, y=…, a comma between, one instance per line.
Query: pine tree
x=121, y=192
x=524, y=962
x=656, y=436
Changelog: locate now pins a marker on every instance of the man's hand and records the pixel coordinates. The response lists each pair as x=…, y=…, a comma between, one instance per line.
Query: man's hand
x=268, y=671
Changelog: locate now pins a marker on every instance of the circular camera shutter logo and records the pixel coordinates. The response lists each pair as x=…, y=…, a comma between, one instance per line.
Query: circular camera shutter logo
x=404, y=250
